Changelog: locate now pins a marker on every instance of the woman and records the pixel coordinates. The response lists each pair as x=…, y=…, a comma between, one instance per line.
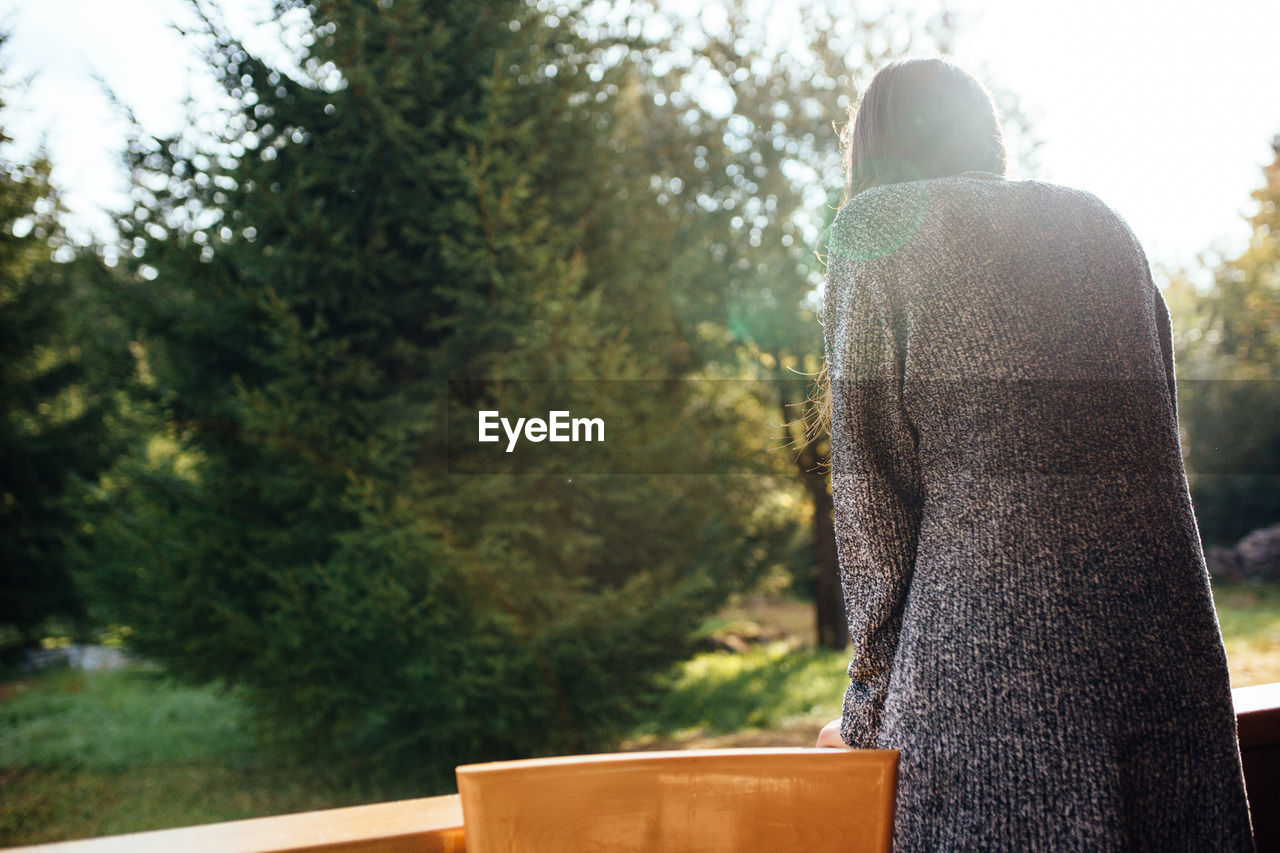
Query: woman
x=1027, y=596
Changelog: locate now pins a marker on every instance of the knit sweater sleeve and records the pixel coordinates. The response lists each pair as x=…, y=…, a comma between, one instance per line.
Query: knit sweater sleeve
x=874, y=472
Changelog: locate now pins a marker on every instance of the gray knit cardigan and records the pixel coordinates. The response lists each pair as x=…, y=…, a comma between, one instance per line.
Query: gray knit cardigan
x=1027, y=595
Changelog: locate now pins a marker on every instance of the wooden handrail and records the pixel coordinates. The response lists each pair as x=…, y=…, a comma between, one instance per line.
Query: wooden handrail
x=429, y=825
x=1258, y=726
x=1257, y=714
x=434, y=824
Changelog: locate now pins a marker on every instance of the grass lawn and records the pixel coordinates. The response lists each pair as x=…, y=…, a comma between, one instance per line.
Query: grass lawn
x=86, y=754
x=101, y=753
x=1250, y=620
x=778, y=695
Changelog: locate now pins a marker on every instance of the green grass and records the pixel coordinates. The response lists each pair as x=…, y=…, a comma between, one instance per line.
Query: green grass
x=88, y=754
x=118, y=721
x=1249, y=615
x=723, y=699
x=54, y=804
x=768, y=687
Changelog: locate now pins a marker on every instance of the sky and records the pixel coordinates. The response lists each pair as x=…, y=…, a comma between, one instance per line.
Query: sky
x=1161, y=109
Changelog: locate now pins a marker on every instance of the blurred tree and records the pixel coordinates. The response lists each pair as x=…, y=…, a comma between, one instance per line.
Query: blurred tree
x=1228, y=362
x=54, y=404
x=433, y=191
x=745, y=133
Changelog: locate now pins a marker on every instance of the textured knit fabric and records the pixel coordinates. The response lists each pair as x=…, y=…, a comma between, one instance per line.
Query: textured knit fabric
x=1026, y=590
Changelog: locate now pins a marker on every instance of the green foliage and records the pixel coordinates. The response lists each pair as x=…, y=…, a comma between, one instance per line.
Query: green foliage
x=744, y=136
x=437, y=191
x=57, y=372
x=1228, y=364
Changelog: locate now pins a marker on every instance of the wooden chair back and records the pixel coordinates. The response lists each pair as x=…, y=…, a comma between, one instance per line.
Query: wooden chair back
x=710, y=801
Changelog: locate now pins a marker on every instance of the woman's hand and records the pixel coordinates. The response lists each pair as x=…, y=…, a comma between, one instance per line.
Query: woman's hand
x=830, y=736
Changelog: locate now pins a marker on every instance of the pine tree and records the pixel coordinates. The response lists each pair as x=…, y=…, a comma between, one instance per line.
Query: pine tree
x=53, y=435
x=434, y=196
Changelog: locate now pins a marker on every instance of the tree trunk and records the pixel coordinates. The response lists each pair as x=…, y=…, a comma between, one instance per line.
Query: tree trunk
x=828, y=599
x=833, y=629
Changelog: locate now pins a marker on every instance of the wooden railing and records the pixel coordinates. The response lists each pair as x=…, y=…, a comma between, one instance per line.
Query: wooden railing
x=435, y=825
x=1258, y=725
x=429, y=825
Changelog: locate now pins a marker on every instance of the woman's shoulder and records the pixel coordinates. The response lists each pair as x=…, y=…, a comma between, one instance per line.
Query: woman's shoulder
x=881, y=220
x=878, y=221
x=906, y=198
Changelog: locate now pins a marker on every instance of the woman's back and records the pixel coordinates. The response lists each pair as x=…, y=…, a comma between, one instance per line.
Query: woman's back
x=1028, y=600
